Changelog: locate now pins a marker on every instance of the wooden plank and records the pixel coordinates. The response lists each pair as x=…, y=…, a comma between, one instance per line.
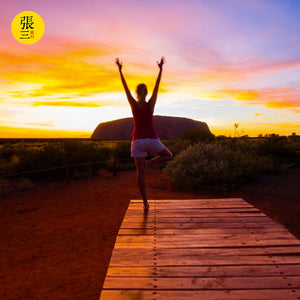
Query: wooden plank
x=276, y=294
x=202, y=249
x=202, y=244
x=205, y=271
x=196, y=219
x=133, y=231
x=198, y=252
x=203, y=283
x=207, y=261
x=200, y=213
x=187, y=238
x=193, y=203
x=196, y=225
x=178, y=202
x=192, y=206
x=207, y=240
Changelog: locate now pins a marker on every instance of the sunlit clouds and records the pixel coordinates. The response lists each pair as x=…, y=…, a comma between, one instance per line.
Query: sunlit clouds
x=285, y=98
x=227, y=61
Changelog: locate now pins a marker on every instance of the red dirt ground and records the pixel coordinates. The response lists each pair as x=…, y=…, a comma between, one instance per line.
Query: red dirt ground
x=56, y=240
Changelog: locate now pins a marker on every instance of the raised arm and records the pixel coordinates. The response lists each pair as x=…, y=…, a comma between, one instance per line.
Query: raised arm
x=153, y=98
x=130, y=99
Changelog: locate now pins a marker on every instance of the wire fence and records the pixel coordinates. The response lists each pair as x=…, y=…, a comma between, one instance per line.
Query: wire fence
x=114, y=163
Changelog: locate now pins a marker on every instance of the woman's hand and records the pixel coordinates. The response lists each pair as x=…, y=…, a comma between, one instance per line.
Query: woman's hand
x=161, y=63
x=119, y=64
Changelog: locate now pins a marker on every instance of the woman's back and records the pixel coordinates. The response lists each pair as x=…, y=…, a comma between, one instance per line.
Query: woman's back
x=143, y=121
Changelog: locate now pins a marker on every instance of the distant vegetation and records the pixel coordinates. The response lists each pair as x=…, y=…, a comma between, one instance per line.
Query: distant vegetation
x=200, y=159
x=24, y=161
x=226, y=163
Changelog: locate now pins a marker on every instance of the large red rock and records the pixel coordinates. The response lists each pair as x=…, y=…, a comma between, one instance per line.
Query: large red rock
x=167, y=127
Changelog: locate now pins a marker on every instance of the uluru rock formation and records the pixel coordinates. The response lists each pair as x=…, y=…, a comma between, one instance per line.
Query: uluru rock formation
x=167, y=127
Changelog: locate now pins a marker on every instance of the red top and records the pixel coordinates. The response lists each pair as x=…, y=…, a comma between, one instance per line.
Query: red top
x=143, y=122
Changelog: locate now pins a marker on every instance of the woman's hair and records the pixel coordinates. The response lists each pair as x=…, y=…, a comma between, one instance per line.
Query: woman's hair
x=140, y=88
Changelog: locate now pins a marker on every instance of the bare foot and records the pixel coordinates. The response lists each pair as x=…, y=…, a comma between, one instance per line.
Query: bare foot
x=146, y=207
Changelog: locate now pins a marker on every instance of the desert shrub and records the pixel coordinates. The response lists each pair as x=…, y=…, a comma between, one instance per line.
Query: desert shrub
x=18, y=185
x=121, y=157
x=279, y=148
x=197, y=135
x=6, y=152
x=9, y=156
x=48, y=156
x=78, y=152
x=178, y=145
x=5, y=187
x=272, y=146
x=85, y=153
x=81, y=172
x=295, y=146
x=122, y=149
x=24, y=184
x=215, y=164
x=52, y=157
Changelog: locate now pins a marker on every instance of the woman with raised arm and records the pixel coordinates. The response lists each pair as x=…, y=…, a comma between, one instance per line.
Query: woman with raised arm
x=144, y=136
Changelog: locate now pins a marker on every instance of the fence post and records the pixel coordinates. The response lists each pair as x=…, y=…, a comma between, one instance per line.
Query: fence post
x=67, y=175
x=114, y=164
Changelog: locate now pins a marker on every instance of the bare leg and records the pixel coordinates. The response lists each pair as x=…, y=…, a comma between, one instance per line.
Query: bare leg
x=162, y=156
x=141, y=173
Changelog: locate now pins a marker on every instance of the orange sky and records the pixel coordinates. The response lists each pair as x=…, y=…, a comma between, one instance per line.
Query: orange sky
x=227, y=62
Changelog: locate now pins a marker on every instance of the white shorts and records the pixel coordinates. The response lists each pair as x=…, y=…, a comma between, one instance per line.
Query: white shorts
x=140, y=148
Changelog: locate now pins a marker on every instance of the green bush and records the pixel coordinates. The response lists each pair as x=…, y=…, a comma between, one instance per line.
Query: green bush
x=197, y=135
x=121, y=152
x=122, y=149
x=77, y=152
x=279, y=148
x=52, y=155
x=49, y=156
x=178, y=145
x=215, y=164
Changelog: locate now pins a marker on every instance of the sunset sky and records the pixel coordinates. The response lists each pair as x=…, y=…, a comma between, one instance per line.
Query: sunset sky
x=228, y=61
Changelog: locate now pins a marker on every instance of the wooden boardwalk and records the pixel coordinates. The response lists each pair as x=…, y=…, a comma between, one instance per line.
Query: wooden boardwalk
x=202, y=249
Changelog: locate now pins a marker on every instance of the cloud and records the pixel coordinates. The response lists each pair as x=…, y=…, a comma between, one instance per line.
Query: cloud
x=65, y=103
x=242, y=70
x=68, y=68
x=77, y=103
x=262, y=66
x=64, y=70
x=40, y=124
x=283, y=97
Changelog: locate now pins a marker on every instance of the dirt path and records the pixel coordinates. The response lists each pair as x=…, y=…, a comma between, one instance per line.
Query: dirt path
x=56, y=240
x=278, y=196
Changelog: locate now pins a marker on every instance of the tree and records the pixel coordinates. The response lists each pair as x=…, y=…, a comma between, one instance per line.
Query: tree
x=236, y=126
